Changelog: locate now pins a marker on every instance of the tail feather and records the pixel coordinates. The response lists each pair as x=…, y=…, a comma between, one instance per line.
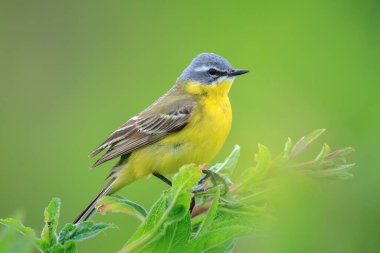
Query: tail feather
x=90, y=209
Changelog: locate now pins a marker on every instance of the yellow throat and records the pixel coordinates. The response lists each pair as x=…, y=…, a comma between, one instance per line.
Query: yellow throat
x=210, y=91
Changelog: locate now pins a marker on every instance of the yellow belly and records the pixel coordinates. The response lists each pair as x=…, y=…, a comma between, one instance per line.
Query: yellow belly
x=199, y=142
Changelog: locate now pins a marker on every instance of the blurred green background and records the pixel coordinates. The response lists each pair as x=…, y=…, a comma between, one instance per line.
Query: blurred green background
x=72, y=72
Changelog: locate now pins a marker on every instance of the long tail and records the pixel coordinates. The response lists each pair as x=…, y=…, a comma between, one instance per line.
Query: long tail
x=90, y=209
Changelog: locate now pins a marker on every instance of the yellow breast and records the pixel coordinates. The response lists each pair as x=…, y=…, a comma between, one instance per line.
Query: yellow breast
x=213, y=117
x=199, y=142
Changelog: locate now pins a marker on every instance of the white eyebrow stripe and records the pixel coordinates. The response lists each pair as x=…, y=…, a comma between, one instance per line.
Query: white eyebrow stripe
x=204, y=68
x=201, y=68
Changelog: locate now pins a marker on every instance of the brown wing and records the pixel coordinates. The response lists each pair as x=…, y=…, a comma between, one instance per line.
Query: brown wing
x=141, y=131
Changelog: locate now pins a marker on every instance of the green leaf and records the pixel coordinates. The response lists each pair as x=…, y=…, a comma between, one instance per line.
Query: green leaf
x=252, y=175
x=49, y=235
x=322, y=154
x=10, y=241
x=220, y=220
x=118, y=204
x=68, y=247
x=341, y=152
x=229, y=163
x=305, y=141
x=183, y=181
x=81, y=231
x=338, y=172
x=171, y=208
x=17, y=225
x=175, y=238
x=287, y=149
x=219, y=237
x=262, y=159
x=153, y=217
x=210, y=214
x=208, y=192
x=196, y=221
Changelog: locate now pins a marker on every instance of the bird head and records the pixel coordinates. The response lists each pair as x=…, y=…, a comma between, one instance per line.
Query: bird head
x=210, y=69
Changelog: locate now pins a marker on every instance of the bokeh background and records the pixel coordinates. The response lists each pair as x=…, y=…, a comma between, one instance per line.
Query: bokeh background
x=71, y=72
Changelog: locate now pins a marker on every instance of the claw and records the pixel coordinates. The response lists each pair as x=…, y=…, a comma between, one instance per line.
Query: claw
x=215, y=179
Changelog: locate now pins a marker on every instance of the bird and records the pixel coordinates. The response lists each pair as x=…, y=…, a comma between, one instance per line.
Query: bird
x=188, y=124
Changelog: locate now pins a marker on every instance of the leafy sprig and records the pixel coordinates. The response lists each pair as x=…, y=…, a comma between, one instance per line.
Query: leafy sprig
x=229, y=203
x=50, y=240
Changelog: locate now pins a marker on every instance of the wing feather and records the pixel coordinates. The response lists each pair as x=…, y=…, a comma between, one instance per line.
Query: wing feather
x=142, y=130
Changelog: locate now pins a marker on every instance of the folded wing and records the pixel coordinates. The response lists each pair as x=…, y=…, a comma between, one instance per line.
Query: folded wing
x=142, y=130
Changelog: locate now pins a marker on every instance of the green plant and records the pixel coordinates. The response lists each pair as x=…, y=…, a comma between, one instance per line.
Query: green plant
x=50, y=241
x=229, y=204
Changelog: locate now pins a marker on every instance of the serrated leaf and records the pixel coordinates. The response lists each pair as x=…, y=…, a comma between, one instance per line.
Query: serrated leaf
x=229, y=163
x=184, y=181
x=153, y=217
x=218, y=239
x=222, y=219
x=305, y=141
x=48, y=234
x=81, y=231
x=210, y=214
x=172, y=207
x=175, y=238
x=118, y=204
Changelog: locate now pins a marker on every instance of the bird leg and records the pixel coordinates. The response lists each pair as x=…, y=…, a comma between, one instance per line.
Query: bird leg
x=214, y=177
x=215, y=180
x=192, y=203
x=168, y=182
x=163, y=178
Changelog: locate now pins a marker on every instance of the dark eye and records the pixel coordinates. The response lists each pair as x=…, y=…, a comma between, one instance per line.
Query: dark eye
x=212, y=71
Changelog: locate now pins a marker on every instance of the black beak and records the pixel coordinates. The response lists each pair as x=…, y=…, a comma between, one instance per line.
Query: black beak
x=238, y=72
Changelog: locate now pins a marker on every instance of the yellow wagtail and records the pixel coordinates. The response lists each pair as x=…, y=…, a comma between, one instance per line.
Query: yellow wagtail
x=188, y=124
